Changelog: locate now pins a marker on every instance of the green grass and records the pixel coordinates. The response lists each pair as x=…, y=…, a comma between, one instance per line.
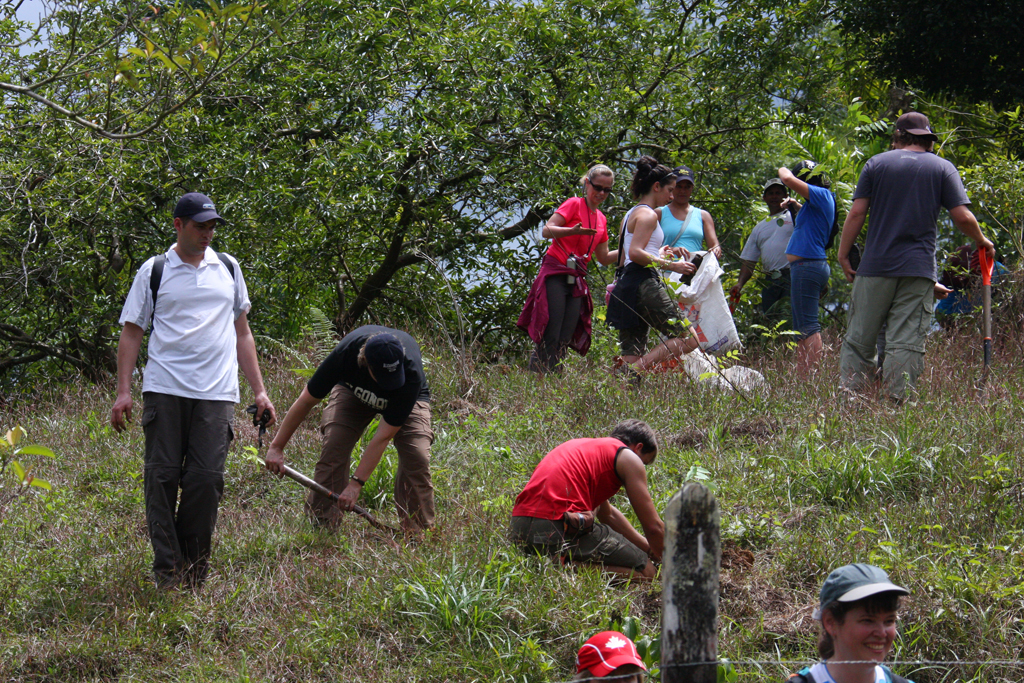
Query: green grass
x=805, y=479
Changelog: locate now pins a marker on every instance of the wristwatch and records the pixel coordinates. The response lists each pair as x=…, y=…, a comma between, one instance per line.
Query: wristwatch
x=361, y=482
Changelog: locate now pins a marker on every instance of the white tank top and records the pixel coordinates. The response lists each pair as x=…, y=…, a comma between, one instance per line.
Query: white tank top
x=653, y=245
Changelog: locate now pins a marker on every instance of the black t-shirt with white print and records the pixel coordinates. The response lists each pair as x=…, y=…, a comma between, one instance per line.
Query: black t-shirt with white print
x=342, y=367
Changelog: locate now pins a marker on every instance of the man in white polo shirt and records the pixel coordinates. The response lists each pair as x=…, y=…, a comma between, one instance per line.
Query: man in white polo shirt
x=767, y=243
x=197, y=302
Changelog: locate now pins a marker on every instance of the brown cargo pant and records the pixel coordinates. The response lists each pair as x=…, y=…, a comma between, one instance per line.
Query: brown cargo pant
x=344, y=420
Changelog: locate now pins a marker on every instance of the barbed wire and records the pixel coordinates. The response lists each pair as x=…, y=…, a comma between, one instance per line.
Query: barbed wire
x=895, y=662
x=604, y=678
x=788, y=663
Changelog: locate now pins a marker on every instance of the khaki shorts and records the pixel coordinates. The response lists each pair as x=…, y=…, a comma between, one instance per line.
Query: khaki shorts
x=602, y=545
x=656, y=309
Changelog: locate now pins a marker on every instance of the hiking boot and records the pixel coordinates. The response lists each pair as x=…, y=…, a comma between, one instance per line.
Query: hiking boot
x=629, y=374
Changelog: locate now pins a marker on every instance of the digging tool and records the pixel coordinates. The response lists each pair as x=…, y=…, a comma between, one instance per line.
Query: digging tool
x=986, y=309
x=261, y=422
x=324, y=491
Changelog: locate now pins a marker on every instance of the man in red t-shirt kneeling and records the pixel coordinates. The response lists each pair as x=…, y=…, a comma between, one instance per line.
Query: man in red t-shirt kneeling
x=554, y=515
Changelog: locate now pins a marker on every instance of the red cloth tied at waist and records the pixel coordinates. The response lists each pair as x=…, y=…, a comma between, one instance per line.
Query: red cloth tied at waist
x=534, y=318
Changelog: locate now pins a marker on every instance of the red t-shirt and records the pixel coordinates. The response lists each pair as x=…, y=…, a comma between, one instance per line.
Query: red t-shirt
x=577, y=476
x=574, y=210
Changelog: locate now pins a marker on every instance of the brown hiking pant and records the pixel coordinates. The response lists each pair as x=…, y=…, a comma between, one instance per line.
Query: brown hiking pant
x=344, y=420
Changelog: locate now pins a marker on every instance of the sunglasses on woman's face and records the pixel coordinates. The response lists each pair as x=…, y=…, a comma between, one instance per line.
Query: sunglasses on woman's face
x=599, y=188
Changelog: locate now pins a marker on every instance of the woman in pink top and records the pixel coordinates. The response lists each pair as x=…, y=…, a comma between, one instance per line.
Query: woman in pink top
x=558, y=308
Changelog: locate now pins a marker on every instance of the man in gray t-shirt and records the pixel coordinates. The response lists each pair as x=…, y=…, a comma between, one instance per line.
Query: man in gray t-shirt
x=767, y=243
x=894, y=284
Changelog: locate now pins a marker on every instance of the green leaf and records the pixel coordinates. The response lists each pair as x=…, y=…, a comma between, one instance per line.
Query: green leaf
x=15, y=435
x=631, y=628
x=654, y=651
x=36, y=450
x=40, y=483
x=253, y=454
x=697, y=473
x=171, y=66
x=19, y=471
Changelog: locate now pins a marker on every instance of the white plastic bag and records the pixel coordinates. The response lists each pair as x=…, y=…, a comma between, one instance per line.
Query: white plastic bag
x=703, y=368
x=703, y=303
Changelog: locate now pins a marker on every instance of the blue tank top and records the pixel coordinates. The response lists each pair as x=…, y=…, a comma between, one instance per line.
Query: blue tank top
x=688, y=234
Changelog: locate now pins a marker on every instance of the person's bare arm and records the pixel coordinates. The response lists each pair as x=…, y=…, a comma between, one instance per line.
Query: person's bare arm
x=794, y=183
x=604, y=256
x=852, y=226
x=292, y=419
x=644, y=226
x=127, y=353
x=368, y=463
x=245, y=346
x=634, y=478
x=965, y=222
x=746, y=272
x=710, y=236
x=613, y=517
x=555, y=227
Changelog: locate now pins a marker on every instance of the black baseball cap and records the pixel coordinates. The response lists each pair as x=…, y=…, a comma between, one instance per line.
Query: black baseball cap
x=683, y=173
x=198, y=207
x=804, y=170
x=385, y=357
x=775, y=181
x=916, y=123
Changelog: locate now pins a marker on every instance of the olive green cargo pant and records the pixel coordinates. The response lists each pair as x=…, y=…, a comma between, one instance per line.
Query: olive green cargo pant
x=906, y=304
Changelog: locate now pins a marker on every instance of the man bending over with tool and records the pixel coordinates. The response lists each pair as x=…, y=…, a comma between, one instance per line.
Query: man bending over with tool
x=373, y=370
x=554, y=515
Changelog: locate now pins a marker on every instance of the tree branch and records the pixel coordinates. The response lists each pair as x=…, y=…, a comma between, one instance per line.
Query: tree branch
x=159, y=117
x=19, y=338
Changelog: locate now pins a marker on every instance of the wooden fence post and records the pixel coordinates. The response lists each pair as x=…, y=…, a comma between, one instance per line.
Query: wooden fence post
x=693, y=557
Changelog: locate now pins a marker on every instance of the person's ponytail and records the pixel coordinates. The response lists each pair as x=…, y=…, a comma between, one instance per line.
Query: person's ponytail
x=648, y=172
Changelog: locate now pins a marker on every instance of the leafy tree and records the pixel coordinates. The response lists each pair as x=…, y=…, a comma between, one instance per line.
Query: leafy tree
x=972, y=51
x=380, y=161
x=120, y=69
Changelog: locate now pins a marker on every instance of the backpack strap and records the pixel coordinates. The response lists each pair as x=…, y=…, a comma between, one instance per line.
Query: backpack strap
x=803, y=676
x=228, y=264
x=156, y=276
x=835, y=222
x=622, y=242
